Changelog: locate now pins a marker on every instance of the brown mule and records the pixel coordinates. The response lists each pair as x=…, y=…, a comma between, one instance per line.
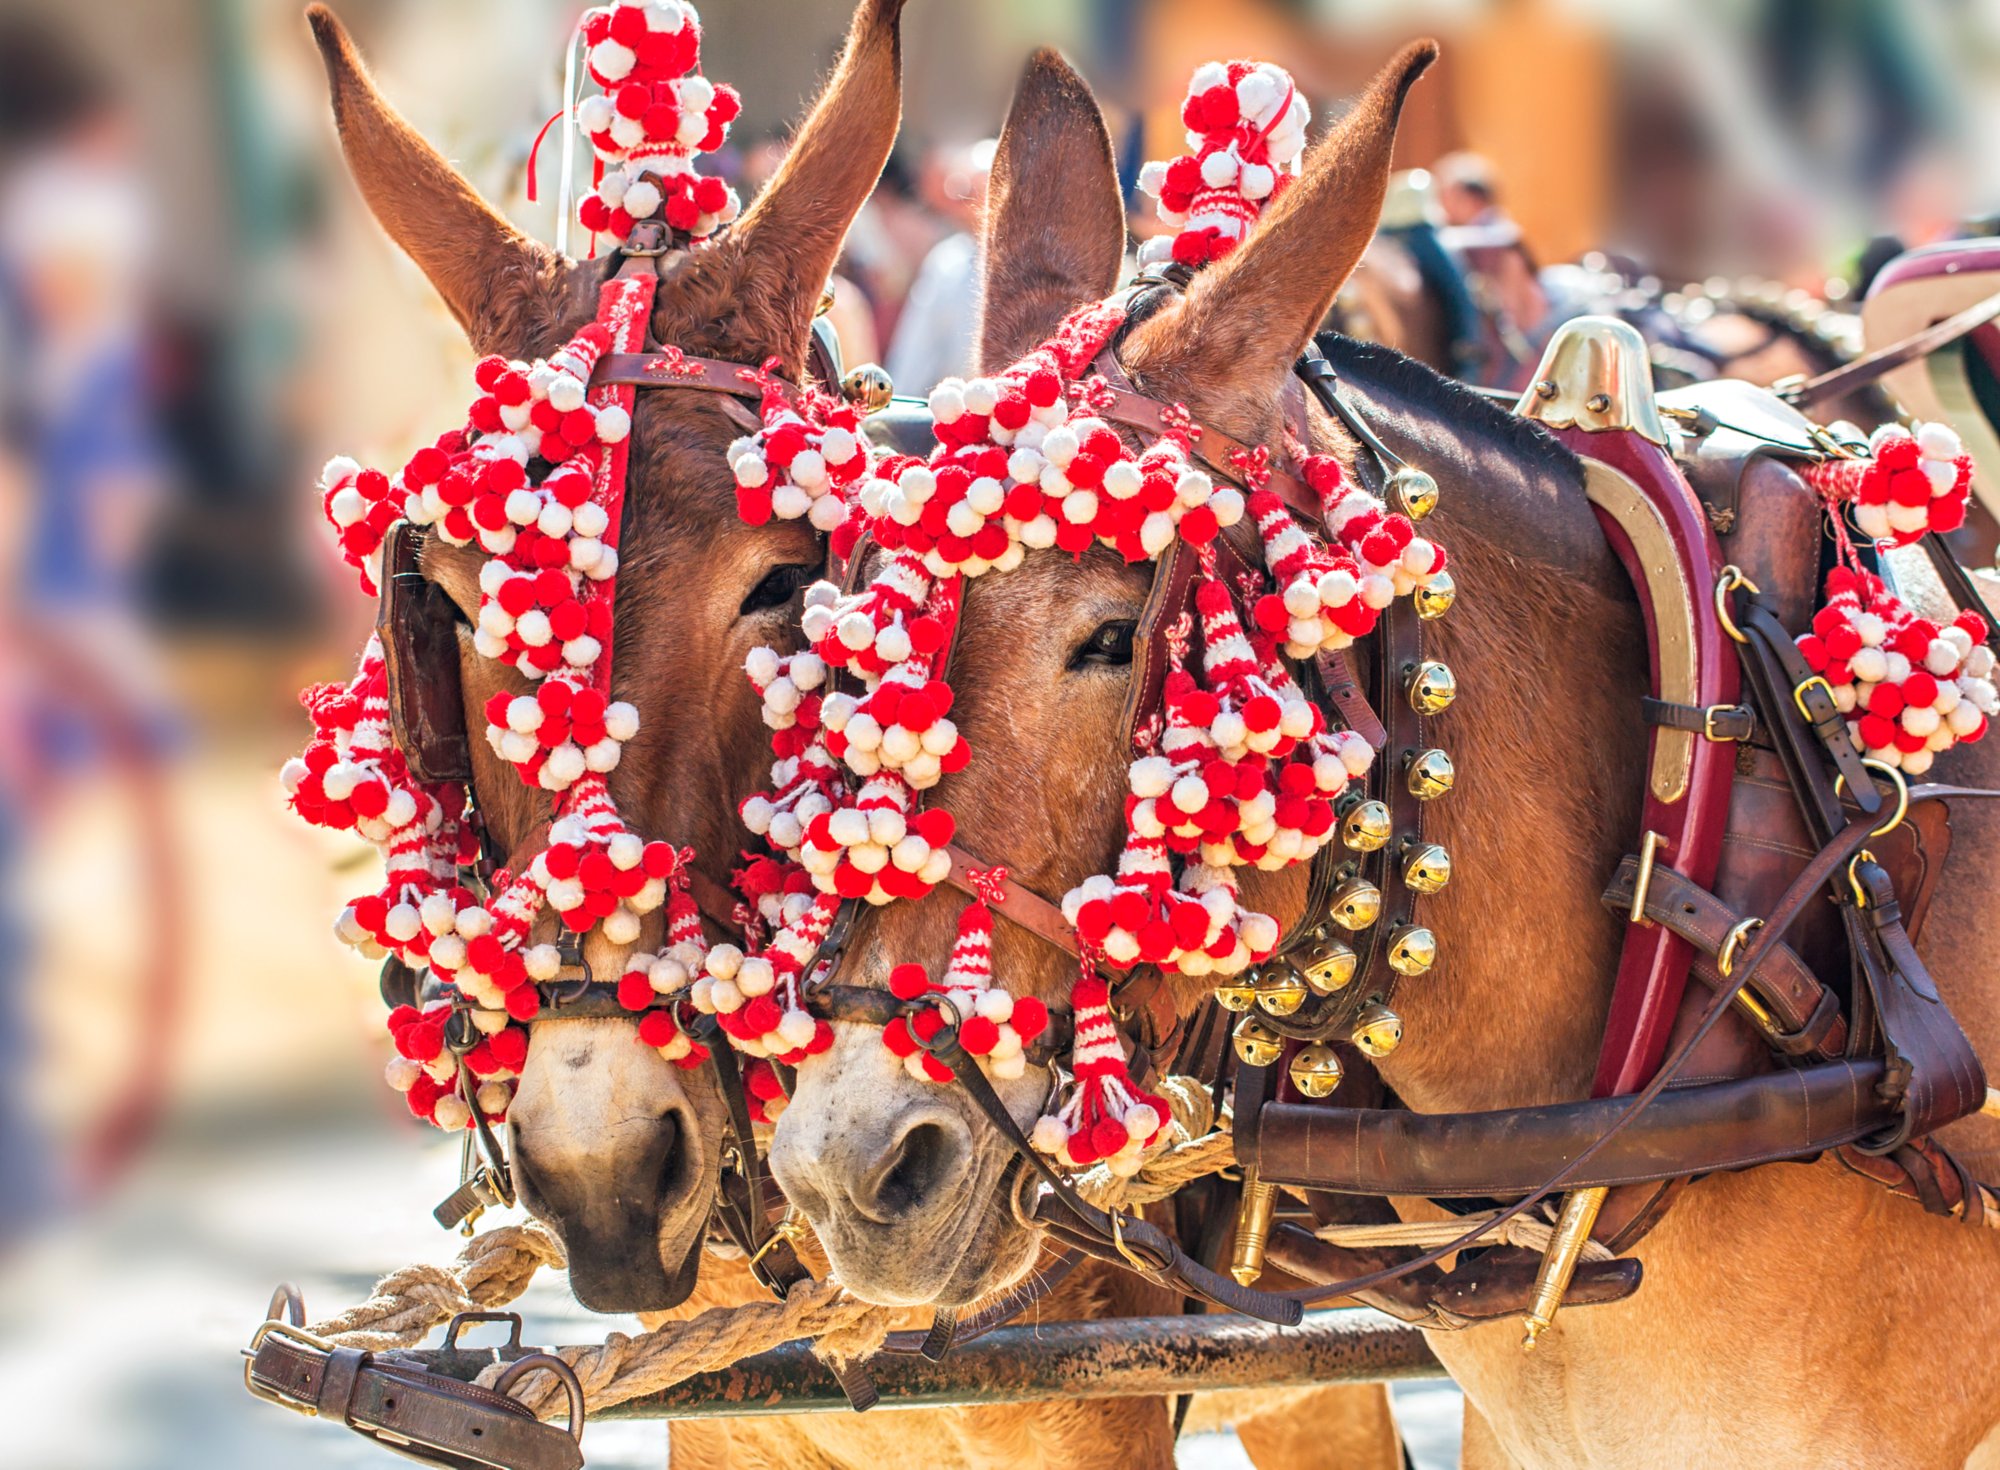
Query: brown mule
x=1794, y=1315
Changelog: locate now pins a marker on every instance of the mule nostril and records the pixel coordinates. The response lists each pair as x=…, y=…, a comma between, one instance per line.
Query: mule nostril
x=910, y=1173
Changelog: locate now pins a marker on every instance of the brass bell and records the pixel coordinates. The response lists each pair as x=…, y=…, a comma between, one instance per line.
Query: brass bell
x=1415, y=492
x=1434, y=598
x=1430, y=775
x=1236, y=993
x=1257, y=1045
x=1355, y=904
x=1281, y=990
x=1431, y=688
x=1366, y=827
x=1427, y=869
x=1377, y=1029
x=867, y=387
x=1327, y=963
x=826, y=300
x=1413, y=949
x=1316, y=1070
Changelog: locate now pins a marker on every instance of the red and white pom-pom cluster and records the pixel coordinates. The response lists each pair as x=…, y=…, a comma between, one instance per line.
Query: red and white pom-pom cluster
x=655, y=114
x=1910, y=689
x=756, y=998
x=803, y=463
x=1246, y=127
x=1907, y=485
x=993, y=1025
x=1106, y=1118
x=426, y=1071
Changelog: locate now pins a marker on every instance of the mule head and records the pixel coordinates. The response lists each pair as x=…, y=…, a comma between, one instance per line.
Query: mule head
x=617, y=1150
x=909, y=1186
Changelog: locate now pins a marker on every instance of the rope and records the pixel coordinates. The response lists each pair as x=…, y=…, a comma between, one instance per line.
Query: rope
x=631, y=1367
x=492, y=1270
x=1519, y=1230
x=1192, y=1147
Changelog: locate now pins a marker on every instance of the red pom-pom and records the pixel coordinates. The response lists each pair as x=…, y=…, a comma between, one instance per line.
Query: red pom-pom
x=908, y=981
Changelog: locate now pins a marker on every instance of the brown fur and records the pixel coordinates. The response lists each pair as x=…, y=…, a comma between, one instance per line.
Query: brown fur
x=1793, y=1315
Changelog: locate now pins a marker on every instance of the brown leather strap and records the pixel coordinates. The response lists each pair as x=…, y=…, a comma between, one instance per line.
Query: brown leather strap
x=1783, y=985
x=1713, y=722
x=1865, y=370
x=1685, y=1131
x=1122, y=405
x=679, y=370
x=1337, y=676
x=1018, y=904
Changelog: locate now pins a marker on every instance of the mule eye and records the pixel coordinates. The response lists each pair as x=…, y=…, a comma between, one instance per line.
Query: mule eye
x=777, y=588
x=1110, y=645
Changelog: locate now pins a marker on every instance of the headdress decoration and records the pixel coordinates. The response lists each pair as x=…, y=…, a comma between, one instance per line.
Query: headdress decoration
x=1246, y=132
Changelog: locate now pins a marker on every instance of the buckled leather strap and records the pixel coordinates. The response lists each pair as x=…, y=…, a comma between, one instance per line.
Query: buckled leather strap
x=1812, y=697
x=1784, y=986
x=1712, y=722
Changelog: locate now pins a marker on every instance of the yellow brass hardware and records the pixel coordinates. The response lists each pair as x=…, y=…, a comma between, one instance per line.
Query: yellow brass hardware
x=1355, y=904
x=1430, y=775
x=1412, y=950
x=867, y=386
x=1236, y=993
x=1991, y=1107
x=1435, y=597
x=1431, y=688
x=1595, y=374
x=1316, y=1070
x=1327, y=962
x=1726, y=582
x=1253, y=1228
x=1649, y=851
x=1896, y=779
x=826, y=300
x=1414, y=491
x=1377, y=1029
x=1281, y=990
x=1257, y=1045
x=1725, y=958
x=1579, y=1214
x=1427, y=869
x=1367, y=827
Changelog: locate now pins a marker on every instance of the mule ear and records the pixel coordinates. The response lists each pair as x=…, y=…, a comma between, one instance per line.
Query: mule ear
x=1055, y=220
x=1258, y=307
x=487, y=271
x=790, y=238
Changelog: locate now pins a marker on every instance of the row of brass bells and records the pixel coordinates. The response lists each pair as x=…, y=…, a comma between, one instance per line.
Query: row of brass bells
x=1315, y=1070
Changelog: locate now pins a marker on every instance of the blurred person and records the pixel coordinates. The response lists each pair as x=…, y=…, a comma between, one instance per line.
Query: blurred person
x=934, y=335
x=81, y=476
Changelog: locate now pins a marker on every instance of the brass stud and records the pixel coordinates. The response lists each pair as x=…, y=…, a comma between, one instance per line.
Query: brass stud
x=1257, y=1045
x=1281, y=990
x=1412, y=950
x=1355, y=904
x=1431, y=687
x=1377, y=1029
x=1414, y=491
x=1367, y=827
x=1327, y=962
x=1430, y=775
x=1316, y=1070
x=1427, y=869
x=1236, y=993
x=867, y=386
x=1435, y=597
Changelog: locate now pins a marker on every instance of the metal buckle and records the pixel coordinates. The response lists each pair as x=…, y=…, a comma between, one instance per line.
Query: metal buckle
x=1136, y=1261
x=1725, y=957
x=1708, y=716
x=1649, y=847
x=791, y=1230
x=1799, y=695
x=293, y=1333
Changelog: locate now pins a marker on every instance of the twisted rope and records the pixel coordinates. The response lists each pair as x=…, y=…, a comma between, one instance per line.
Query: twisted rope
x=1192, y=1147
x=492, y=1270
x=632, y=1367
x=1424, y=1234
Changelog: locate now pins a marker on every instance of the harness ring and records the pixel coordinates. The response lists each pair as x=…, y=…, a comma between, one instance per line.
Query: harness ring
x=1731, y=578
x=1897, y=779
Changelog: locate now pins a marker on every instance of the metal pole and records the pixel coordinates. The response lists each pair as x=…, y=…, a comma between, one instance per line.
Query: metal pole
x=1131, y=1357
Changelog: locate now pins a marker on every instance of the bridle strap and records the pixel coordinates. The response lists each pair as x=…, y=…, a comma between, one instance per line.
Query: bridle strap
x=1865, y=370
x=1120, y=403
x=1015, y=902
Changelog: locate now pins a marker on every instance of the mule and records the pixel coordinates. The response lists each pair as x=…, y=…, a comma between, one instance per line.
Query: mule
x=1792, y=1312
x=615, y=1149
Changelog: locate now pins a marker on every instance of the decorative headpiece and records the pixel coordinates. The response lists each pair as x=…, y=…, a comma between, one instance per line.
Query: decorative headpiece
x=1246, y=127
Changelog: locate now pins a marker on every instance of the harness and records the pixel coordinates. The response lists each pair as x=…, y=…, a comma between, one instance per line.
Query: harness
x=1870, y=1069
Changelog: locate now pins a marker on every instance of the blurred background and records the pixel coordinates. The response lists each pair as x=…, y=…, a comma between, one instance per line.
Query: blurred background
x=195, y=311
